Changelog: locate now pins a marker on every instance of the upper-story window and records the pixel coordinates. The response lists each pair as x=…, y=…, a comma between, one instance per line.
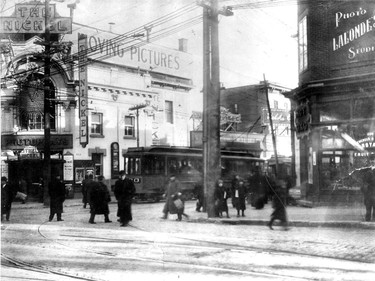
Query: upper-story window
x=129, y=126
x=97, y=123
x=169, y=111
x=302, y=44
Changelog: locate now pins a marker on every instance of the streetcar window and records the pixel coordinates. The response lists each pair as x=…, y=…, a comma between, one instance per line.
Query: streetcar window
x=153, y=165
x=132, y=165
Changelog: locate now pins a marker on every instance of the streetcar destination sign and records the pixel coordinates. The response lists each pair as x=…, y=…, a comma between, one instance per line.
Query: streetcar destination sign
x=30, y=18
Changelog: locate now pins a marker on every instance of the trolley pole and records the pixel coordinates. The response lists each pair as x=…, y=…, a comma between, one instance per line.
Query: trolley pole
x=211, y=101
x=47, y=104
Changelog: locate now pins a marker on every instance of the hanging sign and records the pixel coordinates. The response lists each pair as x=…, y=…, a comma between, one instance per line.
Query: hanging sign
x=30, y=18
x=83, y=95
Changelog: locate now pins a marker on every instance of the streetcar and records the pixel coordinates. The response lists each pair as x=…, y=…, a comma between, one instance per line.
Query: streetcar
x=151, y=167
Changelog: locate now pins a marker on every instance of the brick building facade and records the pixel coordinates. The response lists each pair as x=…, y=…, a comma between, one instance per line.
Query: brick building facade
x=334, y=105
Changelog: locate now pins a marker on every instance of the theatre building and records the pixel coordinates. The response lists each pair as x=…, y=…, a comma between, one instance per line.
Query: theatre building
x=334, y=104
x=107, y=93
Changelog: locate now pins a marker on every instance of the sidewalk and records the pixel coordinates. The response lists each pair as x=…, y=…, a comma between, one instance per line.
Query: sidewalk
x=351, y=216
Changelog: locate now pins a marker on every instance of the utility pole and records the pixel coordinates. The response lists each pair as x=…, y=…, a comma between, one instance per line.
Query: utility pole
x=211, y=101
x=47, y=104
x=271, y=125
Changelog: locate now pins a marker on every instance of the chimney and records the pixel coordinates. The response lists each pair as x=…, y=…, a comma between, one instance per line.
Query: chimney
x=182, y=45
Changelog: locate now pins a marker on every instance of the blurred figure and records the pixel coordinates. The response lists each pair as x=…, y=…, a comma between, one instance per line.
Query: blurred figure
x=235, y=182
x=239, y=197
x=172, y=189
x=22, y=188
x=368, y=190
x=124, y=193
x=198, y=190
x=258, y=187
x=279, y=204
x=56, y=192
x=7, y=196
x=84, y=191
x=221, y=195
x=100, y=198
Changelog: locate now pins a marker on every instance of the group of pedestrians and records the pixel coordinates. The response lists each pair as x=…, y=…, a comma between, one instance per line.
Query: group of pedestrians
x=259, y=193
x=97, y=195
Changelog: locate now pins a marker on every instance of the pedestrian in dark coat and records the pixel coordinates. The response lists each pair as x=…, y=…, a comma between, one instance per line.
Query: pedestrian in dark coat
x=368, y=190
x=56, y=192
x=84, y=191
x=279, y=204
x=221, y=196
x=235, y=182
x=199, y=192
x=100, y=198
x=7, y=197
x=258, y=189
x=239, y=197
x=171, y=193
x=124, y=193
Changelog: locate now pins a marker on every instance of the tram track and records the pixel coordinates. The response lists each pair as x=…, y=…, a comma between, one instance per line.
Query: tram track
x=201, y=244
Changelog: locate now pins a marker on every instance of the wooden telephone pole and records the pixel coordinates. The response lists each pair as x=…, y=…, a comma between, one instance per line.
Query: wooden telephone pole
x=47, y=104
x=211, y=101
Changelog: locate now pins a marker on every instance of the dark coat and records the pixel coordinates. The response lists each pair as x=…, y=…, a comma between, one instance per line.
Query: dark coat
x=124, y=192
x=100, y=198
x=368, y=187
x=173, y=188
x=221, y=195
x=7, y=197
x=239, y=196
x=279, y=204
x=56, y=192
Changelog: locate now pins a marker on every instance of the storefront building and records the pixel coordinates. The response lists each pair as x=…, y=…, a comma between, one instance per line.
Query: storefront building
x=106, y=95
x=334, y=105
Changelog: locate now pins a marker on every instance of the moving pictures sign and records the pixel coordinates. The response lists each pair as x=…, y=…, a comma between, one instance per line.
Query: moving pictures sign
x=352, y=25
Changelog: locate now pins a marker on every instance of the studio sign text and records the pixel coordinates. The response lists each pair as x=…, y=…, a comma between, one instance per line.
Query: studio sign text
x=354, y=33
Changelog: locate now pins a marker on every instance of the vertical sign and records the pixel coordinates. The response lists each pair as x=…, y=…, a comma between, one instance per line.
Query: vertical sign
x=83, y=99
x=115, y=160
x=68, y=167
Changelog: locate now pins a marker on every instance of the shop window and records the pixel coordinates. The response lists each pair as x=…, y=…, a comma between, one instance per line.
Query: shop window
x=169, y=111
x=302, y=44
x=364, y=108
x=129, y=126
x=97, y=158
x=334, y=111
x=97, y=123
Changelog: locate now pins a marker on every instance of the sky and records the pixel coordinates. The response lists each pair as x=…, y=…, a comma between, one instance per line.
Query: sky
x=252, y=43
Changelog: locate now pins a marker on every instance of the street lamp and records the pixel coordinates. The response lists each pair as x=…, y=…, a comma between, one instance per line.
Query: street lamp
x=137, y=108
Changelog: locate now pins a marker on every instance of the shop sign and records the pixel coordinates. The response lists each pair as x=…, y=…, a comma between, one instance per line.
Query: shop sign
x=227, y=117
x=18, y=142
x=279, y=116
x=30, y=152
x=30, y=18
x=302, y=120
x=83, y=93
x=115, y=160
x=352, y=32
x=68, y=167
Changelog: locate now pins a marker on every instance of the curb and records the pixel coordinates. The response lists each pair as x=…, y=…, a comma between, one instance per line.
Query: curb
x=339, y=224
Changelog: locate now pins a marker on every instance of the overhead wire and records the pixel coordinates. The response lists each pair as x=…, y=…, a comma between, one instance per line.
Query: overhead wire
x=161, y=20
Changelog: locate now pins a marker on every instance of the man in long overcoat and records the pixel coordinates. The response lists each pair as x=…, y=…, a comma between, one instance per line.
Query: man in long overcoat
x=100, y=197
x=124, y=193
x=7, y=196
x=56, y=191
x=368, y=190
x=173, y=188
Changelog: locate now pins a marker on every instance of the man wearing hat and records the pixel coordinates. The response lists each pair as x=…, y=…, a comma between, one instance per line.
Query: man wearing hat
x=124, y=192
x=7, y=196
